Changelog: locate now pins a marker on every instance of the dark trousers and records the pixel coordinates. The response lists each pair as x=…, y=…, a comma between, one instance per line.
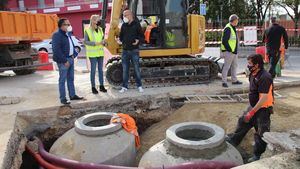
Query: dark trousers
x=274, y=56
x=261, y=123
x=133, y=57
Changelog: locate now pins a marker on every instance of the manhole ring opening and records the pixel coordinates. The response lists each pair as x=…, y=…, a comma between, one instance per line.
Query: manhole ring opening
x=194, y=134
x=96, y=124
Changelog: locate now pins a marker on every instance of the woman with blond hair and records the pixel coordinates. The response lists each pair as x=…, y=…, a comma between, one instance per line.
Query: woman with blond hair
x=94, y=42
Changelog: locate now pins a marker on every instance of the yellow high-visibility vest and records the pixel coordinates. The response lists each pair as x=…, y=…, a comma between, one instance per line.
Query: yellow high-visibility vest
x=232, y=40
x=94, y=51
x=170, y=39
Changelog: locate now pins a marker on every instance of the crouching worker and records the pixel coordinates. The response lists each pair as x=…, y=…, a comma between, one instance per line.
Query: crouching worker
x=261, y=107
x=94, y=42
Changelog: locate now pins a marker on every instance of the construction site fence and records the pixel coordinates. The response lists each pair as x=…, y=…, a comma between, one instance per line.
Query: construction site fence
x=214, y=29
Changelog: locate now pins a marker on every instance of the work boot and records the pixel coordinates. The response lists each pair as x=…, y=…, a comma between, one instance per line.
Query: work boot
x=225, y=85
x=94, y=90
x=102, y=89
x=254, y=158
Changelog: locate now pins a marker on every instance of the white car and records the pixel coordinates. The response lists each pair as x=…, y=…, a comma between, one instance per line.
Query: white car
x=46, y=45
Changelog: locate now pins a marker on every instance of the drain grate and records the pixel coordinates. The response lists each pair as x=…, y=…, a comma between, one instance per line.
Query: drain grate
x=242, y=98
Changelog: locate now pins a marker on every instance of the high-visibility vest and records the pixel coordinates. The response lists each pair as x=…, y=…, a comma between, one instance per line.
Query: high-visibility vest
x=170, y=39
x=232, y=40
x=94, y=51
x=148, y=32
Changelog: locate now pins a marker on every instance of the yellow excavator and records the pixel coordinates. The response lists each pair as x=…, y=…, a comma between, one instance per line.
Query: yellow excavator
x=170, y=57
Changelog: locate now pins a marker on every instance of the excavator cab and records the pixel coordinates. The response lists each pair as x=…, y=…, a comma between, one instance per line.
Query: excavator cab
x=168, y=23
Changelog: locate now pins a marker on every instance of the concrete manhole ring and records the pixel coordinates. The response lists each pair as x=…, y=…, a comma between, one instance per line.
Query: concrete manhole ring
x=7, y=100
x=84, y=125
x=195, y=135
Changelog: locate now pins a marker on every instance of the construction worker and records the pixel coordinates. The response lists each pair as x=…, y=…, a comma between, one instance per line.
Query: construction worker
x=94, y=42
x=131, y=35
x=261, y=107
x=63, y=54
x=148, y=32
x=272, y=37
x=229, y=48
x=170, y=39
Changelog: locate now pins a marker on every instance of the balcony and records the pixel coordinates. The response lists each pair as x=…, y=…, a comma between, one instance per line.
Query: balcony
x=58, y=5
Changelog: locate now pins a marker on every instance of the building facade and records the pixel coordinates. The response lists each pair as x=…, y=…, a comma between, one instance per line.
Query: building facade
x=77, y=11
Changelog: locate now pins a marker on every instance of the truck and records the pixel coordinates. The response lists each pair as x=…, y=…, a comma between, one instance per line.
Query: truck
x=17, y=31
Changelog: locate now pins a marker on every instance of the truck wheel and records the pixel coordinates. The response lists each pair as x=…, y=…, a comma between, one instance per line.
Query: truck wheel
x=24, y=71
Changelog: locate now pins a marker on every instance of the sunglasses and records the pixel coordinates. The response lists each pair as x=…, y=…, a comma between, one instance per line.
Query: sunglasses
x=66, y=24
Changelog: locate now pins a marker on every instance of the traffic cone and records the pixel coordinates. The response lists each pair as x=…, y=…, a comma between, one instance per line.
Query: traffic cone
x=44, y=58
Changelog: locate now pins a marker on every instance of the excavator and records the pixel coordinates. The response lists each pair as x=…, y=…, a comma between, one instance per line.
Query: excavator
x=170, y=56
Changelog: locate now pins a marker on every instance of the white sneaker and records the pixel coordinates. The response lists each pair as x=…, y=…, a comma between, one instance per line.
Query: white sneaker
x=141, y=90
x=123, y=90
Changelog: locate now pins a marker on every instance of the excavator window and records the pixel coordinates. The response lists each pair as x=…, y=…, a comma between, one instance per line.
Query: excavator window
x=164, y=22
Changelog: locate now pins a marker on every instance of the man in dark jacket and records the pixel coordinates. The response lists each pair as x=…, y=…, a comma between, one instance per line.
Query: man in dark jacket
x=272, y=37
x=64, y=54
x=130, y=37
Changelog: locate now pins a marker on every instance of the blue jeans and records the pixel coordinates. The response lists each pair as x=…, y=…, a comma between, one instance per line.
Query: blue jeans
x=94, y=62
x=133, y=57
x=66, y=73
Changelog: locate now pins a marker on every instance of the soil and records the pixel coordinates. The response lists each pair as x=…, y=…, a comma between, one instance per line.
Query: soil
x=286, y=117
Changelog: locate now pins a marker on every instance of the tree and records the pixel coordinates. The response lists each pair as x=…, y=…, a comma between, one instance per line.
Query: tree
x=3, y=4
x=260, y=8
x=294, y=5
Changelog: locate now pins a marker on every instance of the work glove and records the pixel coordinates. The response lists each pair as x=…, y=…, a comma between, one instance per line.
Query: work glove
x=247, y=117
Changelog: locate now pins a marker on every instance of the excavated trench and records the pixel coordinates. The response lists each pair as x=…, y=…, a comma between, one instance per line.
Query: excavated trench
x=153, y=115
x=51, y=123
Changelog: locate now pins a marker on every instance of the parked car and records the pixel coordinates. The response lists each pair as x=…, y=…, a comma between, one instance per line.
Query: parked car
x=46, y=45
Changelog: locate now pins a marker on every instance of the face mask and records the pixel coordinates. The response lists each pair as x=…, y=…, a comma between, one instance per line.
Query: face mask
x=126, y=20
x=70, y=29
x=250, y=68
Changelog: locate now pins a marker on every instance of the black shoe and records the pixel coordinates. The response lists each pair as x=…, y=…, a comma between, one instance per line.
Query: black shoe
x=237, y=83
x=102, y=89
x=76, y=98
x=65, y=102
x=225, y=85
x=94, y=90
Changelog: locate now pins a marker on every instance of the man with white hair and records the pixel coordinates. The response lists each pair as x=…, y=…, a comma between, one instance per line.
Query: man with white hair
x=131, y=35
x=229, y=48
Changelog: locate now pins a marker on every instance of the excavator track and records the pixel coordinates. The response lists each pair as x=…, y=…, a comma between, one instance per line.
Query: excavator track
x=168, y=71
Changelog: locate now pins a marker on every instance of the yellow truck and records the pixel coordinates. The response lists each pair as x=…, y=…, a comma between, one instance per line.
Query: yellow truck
x=17, y=31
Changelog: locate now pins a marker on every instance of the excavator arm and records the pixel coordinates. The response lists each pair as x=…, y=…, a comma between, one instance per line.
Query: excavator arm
x=117, y=7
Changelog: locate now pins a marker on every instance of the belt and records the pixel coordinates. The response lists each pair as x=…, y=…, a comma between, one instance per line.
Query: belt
x=72, y=56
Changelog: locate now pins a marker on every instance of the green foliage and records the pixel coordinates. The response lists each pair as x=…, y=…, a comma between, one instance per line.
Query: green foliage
x=213, y=36
x=239, y=7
